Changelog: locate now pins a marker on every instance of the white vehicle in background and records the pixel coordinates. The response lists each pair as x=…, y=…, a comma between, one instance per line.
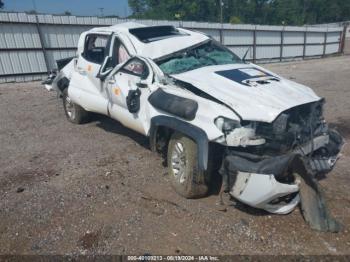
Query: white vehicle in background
x=198, y=101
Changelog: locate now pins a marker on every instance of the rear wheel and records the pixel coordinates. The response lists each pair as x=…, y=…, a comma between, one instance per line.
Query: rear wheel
x=186, y=178
x=74, y=113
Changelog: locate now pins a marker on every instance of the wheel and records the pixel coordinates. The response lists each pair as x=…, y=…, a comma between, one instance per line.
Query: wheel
x=74, y=113
x=186, y=179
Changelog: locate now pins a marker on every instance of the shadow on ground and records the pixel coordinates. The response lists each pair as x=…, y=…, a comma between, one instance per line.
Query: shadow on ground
x=342, y=125
x=112, y=126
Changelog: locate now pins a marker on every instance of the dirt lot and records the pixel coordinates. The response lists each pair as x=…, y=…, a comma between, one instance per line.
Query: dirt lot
x=97, y=188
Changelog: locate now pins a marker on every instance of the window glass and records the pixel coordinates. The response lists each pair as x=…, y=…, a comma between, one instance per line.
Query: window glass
x=123, y=55
x=96, y=48
x=207, y=54
x=136, y=67
x=120, y=53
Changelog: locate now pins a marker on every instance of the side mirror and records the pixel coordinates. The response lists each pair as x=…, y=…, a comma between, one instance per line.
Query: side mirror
x=142, y=84
x=133, y=101
x=105, y=68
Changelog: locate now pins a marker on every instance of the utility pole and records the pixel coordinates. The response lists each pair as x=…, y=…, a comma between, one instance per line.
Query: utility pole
x=101, y=11
x=221, y=22
x=34, y=5
x=125, y=11
x=41, y=37
x=221, y=11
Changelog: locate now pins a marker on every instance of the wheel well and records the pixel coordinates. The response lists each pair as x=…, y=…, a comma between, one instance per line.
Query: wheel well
x=215, y=155
x=161, y=138
x=63, y=83
x=163, y=126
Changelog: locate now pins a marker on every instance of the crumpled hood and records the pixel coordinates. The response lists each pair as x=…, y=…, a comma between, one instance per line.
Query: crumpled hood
x=236, y=86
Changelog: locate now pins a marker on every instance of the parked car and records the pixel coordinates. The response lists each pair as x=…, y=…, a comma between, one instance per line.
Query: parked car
x=204, y=106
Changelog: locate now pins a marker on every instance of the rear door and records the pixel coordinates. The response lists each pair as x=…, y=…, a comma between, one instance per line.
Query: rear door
x=85, y=88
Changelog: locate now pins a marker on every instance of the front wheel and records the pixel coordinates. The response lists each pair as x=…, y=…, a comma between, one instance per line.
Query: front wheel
x=186, y=179
x=74, y=113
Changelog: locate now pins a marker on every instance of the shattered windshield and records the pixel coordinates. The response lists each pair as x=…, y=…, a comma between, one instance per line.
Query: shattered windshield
x=207, y=54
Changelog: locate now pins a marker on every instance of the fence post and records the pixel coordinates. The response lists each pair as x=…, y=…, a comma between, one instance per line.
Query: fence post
x=343, y=38
x=42, y=43
x=305, y=40
x=221, y=36
x=325, y=43
x=254, y=45
x=282, y=44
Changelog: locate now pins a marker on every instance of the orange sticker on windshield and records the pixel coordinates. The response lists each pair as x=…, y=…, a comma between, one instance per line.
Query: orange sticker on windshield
x=116, y=91
x=89, y=68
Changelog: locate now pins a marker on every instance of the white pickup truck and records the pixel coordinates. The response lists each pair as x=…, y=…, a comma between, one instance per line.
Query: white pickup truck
x=198, y=101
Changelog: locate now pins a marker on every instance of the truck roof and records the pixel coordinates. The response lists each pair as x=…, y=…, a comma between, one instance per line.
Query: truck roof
x=154, y=41
x=123, y=27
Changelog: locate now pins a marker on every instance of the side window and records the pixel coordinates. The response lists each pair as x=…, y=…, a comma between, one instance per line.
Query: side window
x=136, y=67
x=95, y=48
x=120, y=53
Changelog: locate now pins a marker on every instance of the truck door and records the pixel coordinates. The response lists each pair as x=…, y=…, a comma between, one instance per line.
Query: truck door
x=129, y=89
x=85, y=87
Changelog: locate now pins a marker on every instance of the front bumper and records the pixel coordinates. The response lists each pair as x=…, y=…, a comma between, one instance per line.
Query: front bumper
x=259, y=191
x=272, y=183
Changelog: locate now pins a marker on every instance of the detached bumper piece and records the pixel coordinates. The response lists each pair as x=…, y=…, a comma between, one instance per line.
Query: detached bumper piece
x=48, y=82
x=248, y=190
x=278, y=184
x=322, y=165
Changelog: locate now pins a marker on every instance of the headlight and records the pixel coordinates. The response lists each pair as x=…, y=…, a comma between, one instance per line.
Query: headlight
x=226, y=125
x=237, y=135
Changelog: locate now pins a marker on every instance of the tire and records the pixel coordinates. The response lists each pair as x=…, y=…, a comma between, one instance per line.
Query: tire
x=186, y=179
x=74, y=113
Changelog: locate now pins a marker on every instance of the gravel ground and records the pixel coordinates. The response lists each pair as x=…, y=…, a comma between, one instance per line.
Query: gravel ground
x=97, y=188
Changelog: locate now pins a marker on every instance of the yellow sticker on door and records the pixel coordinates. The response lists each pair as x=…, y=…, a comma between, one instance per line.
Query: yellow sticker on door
x=116, y=91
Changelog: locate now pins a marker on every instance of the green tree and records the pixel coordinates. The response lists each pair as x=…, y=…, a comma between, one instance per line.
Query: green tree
x=65, y=13
x=235, y=20
x=138, y=7
x=275, y=12
x=31, y=12
x=200, y=10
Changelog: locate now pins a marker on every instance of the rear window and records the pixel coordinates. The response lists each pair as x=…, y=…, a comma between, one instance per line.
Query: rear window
x=155, y=33
x=95, y=48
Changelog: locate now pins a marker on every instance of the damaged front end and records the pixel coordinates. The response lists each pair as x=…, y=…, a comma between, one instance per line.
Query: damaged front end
x=276, y=167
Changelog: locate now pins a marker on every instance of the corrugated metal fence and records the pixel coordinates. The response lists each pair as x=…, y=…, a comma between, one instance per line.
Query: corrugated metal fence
x=30, y=44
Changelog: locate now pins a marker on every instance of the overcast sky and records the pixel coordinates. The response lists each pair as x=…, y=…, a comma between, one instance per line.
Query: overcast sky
x=76, y=7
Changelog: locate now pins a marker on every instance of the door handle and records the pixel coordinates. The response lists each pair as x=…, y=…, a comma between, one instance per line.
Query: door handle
x=111, y=81
x=81, y=71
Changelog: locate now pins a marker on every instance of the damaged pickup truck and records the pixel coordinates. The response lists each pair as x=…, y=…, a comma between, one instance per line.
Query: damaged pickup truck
x=203, y=105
